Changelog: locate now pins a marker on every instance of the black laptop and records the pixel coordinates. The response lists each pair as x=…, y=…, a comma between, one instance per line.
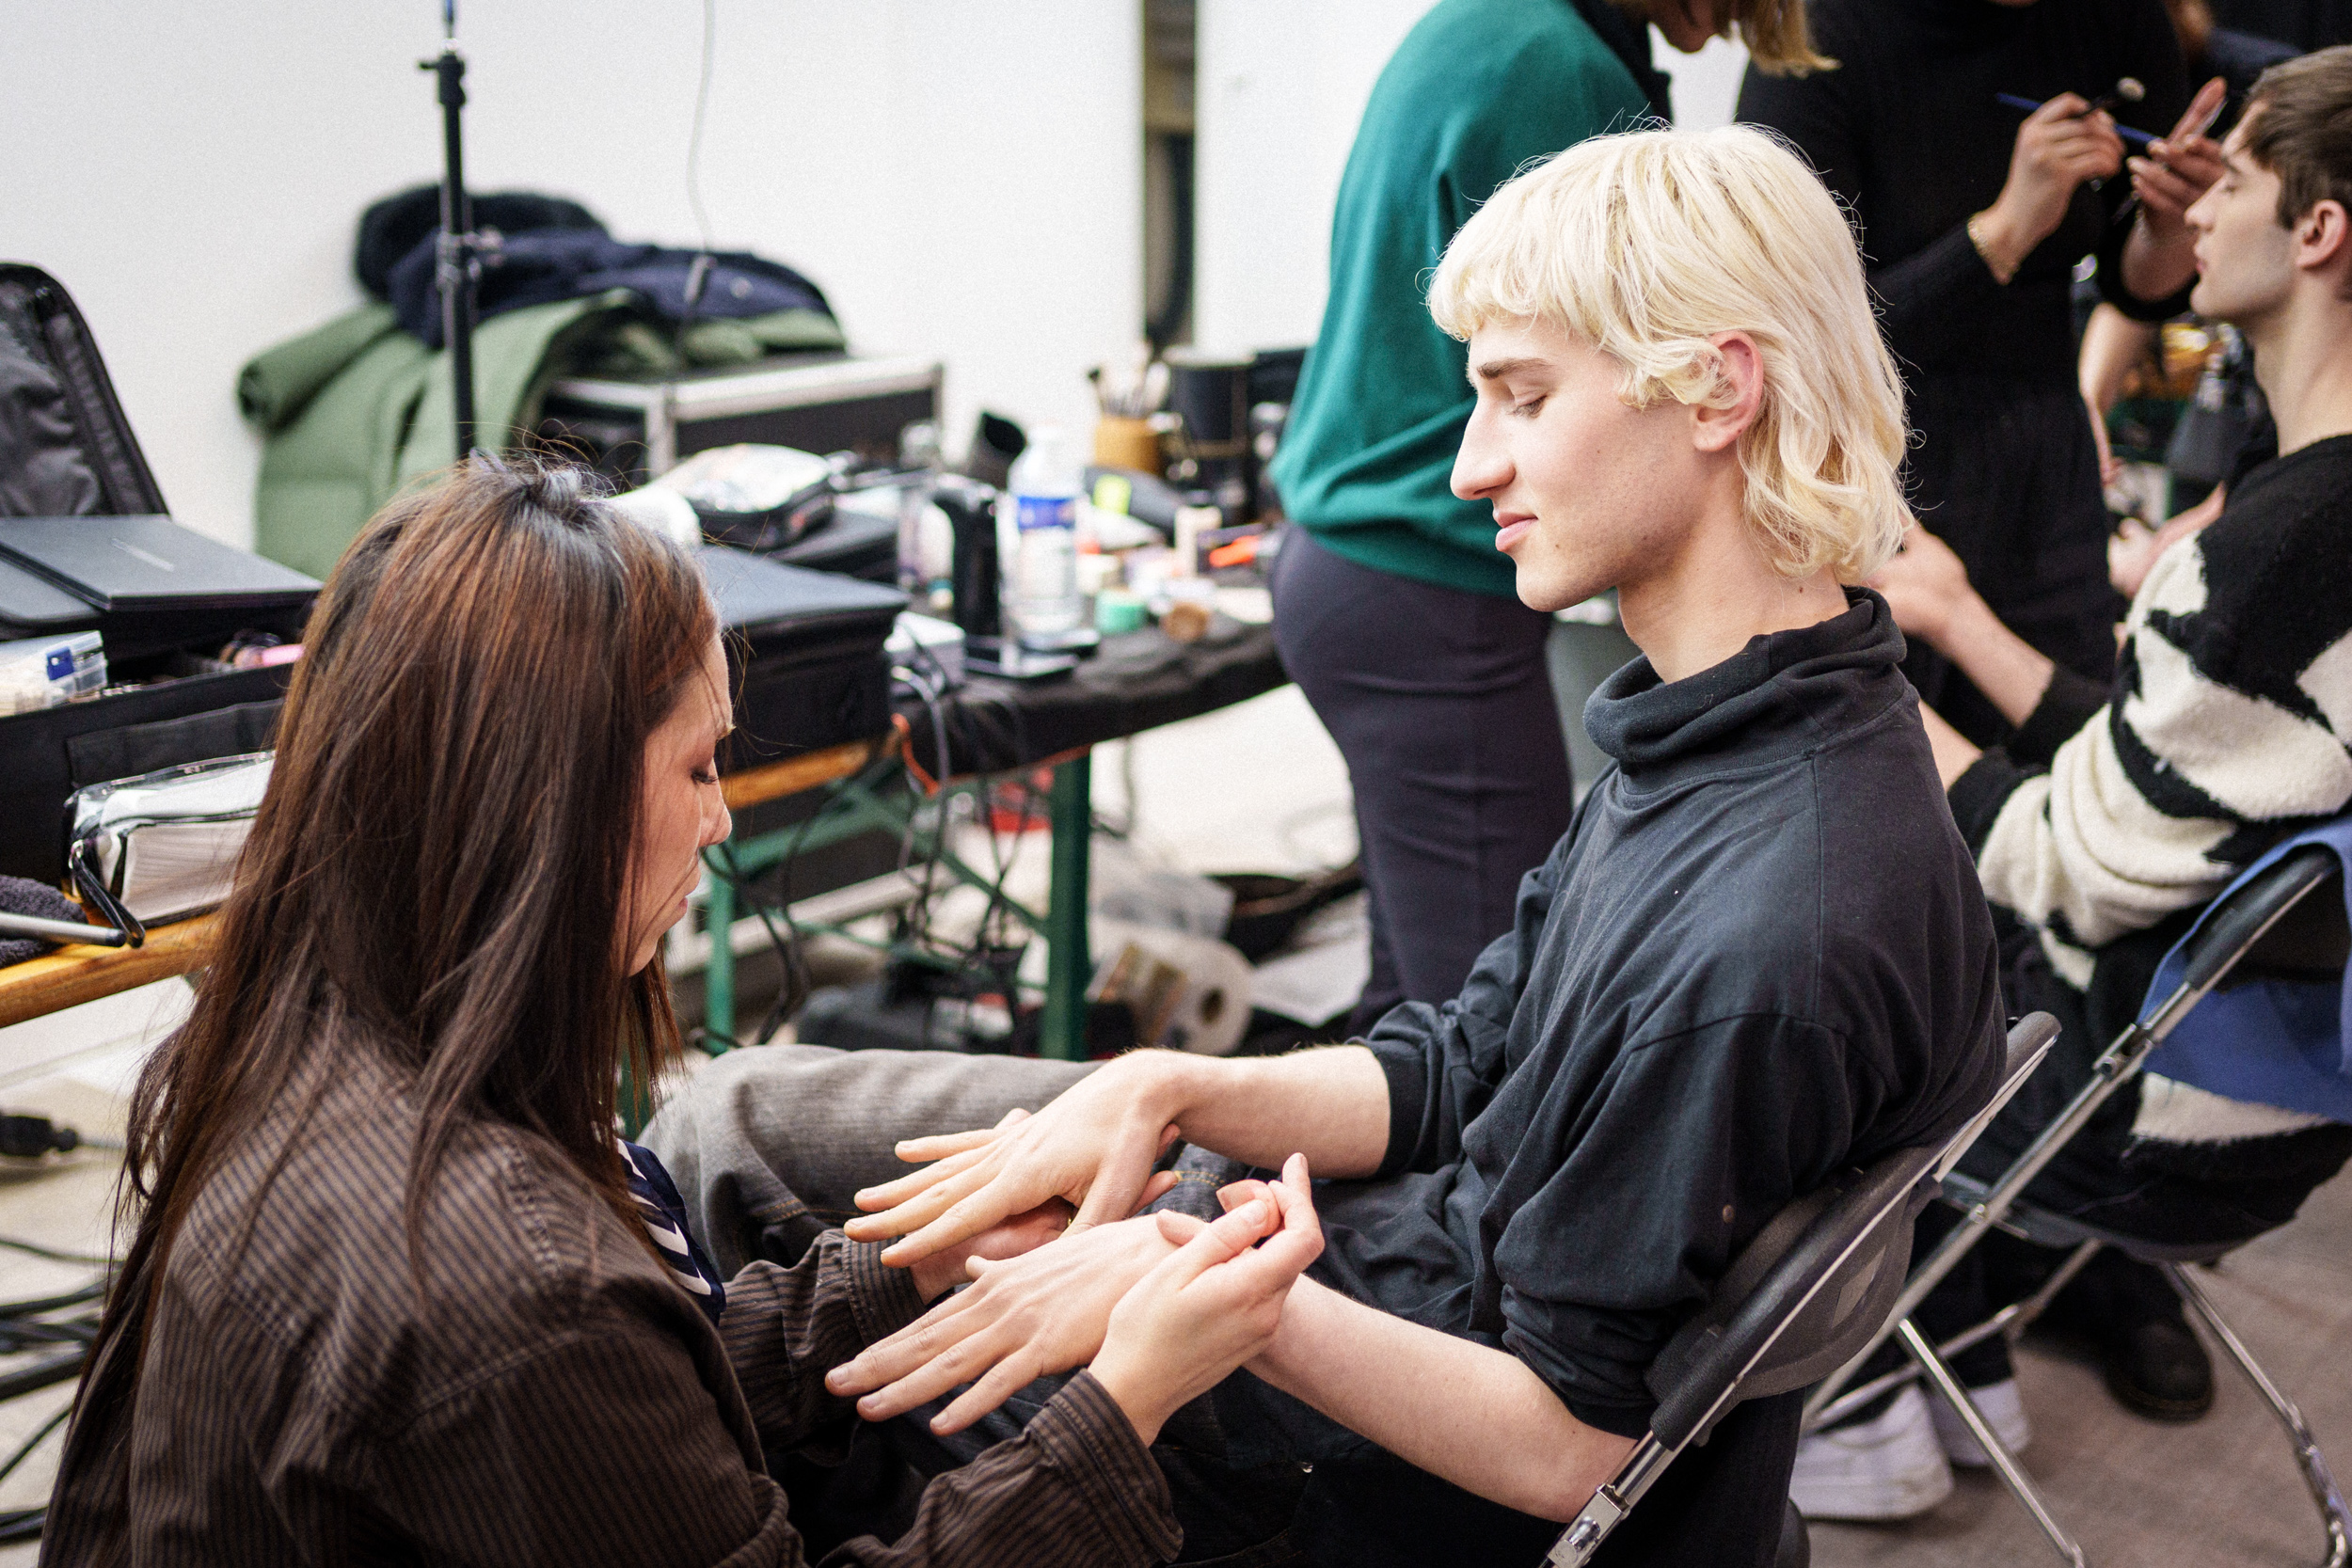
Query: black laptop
x=145, y=563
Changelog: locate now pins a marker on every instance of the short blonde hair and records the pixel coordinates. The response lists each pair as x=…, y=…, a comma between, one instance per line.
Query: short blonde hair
x=1643, y=245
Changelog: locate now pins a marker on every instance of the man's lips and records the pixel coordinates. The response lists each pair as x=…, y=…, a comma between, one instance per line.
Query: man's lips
x=1510, y=530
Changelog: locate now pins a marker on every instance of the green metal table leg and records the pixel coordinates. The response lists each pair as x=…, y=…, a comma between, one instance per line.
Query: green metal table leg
x=719, y=971
x=1068, y=966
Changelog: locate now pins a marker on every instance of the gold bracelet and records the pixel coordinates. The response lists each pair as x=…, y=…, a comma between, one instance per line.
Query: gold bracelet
x=1985, y=252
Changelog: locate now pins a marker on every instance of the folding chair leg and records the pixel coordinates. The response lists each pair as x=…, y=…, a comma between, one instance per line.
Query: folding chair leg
x=2114, y=1068
x=1611, y=1501
x=2003, y=1461
x=2333, y=1511
x=2010, y=1323
x=2024, y=1314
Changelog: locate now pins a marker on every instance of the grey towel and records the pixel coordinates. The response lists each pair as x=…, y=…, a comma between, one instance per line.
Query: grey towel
x=22, y=895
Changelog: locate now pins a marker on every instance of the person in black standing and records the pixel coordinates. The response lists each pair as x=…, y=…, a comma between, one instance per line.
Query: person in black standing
x=1972, y=215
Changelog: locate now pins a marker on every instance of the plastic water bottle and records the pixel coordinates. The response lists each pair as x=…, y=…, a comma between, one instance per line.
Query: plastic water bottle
x=1046, y=482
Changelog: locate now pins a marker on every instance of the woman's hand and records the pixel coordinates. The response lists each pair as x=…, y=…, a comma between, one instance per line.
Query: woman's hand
x=2058, y=147
x=942, y=1272
x=1023, y=1318
x=1093, y=1147
x=1216, y=1304
x=1926, y=586
x=2175, y=171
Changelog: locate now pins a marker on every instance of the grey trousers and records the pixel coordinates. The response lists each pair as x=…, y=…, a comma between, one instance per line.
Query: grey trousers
x=769, y=1144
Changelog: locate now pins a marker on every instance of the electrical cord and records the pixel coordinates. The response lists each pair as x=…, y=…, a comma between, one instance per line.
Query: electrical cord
x=24, y=1450
x=51, y=1254
x=29, y=1324
x=795, y=988
x=977, y=724
x=698, y=272
x=26, y=1137
x=694, y=140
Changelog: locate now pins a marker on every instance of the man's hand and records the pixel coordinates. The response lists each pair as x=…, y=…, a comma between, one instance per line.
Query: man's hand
x=1093, y=1147
x=2134, y=547
x=1023, y=1317
x=1926, y=586
x=2174, y=172
x=1954, y=753
x=2058, y=147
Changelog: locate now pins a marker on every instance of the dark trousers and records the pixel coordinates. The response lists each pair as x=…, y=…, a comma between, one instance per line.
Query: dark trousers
x=1260, y=1479
x=1441, y=704
x=2173, y=1195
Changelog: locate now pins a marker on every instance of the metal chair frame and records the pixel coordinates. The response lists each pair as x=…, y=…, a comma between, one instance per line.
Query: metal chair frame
x=1820, y=1278
x=2231, y=931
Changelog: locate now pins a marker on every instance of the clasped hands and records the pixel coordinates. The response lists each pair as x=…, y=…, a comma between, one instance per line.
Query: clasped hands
x=1160, y=1306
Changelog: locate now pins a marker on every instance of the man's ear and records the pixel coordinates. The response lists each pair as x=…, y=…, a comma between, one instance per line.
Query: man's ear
x=2323, y=236
x=1716, y=427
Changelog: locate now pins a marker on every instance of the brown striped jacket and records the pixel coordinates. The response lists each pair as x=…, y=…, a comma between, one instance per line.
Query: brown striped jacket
x=552, y=1397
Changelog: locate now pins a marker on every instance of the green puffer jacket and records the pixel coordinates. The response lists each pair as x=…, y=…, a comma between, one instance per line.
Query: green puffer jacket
x=352, y=411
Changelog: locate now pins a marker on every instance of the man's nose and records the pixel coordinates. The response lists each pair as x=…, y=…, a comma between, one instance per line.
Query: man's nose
x=1481, y=465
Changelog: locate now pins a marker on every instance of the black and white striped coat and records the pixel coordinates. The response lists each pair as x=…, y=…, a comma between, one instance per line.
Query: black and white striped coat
x=2229, y=724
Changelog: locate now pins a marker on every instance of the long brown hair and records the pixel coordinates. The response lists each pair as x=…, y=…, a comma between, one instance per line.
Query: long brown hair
x=439, y=869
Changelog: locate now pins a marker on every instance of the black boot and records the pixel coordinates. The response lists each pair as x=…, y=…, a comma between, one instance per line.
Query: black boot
x=2154, y=1361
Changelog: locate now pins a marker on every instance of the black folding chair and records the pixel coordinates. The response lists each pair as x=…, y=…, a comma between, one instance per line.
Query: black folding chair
x=1815, y=1286
x=2264, y=922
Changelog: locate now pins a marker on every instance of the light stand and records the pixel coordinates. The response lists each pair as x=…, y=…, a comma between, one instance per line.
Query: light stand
x=457, y=269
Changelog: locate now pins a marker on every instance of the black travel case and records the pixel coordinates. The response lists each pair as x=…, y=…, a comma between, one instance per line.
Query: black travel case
x=66, y=450
x=804, y=650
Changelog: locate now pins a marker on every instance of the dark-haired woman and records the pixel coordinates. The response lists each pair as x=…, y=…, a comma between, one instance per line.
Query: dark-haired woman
x=390, y=1298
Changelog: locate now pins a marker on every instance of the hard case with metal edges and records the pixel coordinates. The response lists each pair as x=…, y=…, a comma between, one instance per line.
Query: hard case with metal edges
x=634, y=429
x=66, y=450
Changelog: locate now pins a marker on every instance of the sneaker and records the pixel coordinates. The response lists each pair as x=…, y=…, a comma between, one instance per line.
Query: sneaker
x=2003, y=1408
x=1889, y=1467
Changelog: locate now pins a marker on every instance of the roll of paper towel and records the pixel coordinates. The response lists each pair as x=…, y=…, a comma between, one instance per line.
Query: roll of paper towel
x=1195, y=989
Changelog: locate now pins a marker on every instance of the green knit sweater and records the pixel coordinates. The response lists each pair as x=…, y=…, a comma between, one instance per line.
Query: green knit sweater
x=1478, y=88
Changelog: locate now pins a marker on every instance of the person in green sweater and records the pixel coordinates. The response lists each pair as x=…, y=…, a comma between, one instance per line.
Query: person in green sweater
x=1394, y=612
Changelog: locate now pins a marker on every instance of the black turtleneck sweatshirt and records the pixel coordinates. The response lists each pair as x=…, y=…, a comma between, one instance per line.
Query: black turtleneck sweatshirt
x=1758, y=957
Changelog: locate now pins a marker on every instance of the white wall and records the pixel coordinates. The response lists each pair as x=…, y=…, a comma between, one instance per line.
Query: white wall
x=963, y=179
x=1705, y=84
x=1280, y=89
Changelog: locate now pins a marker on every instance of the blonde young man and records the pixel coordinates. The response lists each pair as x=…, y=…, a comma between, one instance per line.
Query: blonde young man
x=1396, y=616
x=1758, y=957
